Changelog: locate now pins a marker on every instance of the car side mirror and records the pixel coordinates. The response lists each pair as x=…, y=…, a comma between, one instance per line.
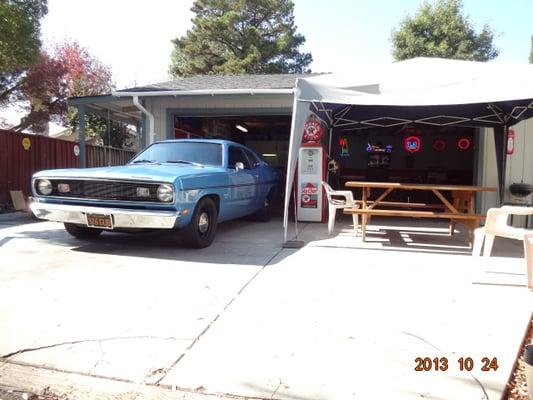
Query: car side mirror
x=238, y=166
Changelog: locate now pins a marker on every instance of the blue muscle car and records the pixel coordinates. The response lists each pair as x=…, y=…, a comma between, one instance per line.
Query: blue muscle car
x=188, y=185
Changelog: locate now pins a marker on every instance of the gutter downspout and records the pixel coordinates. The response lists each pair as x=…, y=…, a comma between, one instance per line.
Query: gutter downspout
x=150, y=116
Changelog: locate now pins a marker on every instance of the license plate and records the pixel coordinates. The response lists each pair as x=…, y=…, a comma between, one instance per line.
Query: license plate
x=100, y=221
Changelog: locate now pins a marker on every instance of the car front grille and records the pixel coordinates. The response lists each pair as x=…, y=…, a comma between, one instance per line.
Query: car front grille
x=105, y=190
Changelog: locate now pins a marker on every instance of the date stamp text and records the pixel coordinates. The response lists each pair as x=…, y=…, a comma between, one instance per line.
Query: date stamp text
x=485, y=364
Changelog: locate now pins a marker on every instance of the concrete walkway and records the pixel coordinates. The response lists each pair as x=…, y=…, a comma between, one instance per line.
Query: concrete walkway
x=337, y=319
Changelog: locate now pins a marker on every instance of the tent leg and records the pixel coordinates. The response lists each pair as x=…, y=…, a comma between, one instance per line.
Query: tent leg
x=504, y=163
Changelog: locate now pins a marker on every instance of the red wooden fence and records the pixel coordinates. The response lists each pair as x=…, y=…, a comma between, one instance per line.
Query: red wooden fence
x=22, y=155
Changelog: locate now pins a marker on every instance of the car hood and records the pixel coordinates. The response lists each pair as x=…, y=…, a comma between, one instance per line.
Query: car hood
x=142, y=172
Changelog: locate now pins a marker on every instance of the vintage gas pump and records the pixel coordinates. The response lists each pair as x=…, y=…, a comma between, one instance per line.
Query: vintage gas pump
x=312, y=170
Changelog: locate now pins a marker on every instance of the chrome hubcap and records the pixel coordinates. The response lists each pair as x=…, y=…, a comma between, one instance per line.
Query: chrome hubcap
x=203, y=222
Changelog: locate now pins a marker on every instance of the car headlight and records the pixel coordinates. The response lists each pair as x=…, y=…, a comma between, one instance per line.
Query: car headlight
x=63, y=188
x=165, y=193
x=44, y=186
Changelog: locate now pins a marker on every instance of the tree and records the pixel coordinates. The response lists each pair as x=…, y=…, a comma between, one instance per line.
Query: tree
x=238, y=37
x=69, y=71
x=441, y=30
x=20, y=29
x=45, y=90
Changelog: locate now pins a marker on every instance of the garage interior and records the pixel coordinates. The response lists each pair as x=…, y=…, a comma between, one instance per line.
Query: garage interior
x=445, y=155
x=268, y=136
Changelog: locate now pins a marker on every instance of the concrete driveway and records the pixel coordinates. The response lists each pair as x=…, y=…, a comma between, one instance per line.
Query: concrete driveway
x=336, y=319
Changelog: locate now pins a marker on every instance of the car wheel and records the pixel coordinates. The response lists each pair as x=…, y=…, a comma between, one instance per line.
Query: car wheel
x=81, y=232
x=201, y=230
x=264, y=214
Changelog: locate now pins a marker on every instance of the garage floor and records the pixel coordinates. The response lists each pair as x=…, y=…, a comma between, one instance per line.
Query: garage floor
x=336, y=319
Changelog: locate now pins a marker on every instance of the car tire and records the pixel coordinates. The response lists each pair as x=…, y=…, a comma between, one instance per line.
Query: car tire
x=81, y=232
x=201, y=230
x=264, y=214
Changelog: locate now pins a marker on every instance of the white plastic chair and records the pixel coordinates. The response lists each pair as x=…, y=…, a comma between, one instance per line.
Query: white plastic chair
x=496, y=225
x=339, y=199
x=528, y=252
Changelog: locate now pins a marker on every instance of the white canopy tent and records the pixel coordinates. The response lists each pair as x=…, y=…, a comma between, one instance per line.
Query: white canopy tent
x=424, y=91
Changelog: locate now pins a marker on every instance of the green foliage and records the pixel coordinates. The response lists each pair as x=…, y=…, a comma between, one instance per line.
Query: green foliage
x=19, y=33
x=441, y=30
x=114, y=134
x=20, y=29
x=238, y=37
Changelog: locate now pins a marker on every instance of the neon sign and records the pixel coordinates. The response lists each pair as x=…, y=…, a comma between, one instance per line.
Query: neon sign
x=343, y=142
x=412, y=144
x=373, y=148
x=464, y=143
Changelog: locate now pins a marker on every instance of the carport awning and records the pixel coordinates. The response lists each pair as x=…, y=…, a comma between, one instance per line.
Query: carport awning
x=115, y=108
x=426, y=91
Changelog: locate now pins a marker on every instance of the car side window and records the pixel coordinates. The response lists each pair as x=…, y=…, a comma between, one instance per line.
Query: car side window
x=252, y=157
x=236, y=155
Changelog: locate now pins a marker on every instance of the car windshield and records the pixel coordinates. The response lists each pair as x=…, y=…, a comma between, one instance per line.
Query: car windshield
x=182, y=153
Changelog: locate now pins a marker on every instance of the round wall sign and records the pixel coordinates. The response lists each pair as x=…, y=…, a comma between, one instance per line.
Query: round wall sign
x=439, y=144
x=412, y=144
x=464, y=143
x=313, y=130
x=76, y=150
x=26, y=143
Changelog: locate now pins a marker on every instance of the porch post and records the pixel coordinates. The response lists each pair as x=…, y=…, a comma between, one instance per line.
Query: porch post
x=81, y=129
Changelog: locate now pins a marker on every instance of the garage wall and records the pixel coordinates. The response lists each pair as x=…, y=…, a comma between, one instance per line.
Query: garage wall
x=163, y=108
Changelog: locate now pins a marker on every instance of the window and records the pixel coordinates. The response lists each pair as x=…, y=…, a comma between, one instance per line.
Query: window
x=252, y=157
x=237, y=155
x=198, y=152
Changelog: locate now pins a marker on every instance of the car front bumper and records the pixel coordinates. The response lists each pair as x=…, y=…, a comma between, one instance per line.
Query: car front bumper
x=122, y=218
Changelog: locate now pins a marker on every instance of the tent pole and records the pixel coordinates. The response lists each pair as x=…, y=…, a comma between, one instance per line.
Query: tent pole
x=329, y=154
x=299, y=113
x=504, y=163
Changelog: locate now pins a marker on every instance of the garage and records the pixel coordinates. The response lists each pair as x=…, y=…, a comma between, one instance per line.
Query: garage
x=256, y=110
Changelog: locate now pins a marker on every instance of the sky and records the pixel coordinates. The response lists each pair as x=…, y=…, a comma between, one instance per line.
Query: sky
x=133, y=37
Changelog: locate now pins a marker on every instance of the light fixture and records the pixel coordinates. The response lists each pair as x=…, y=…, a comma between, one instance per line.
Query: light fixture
x=165, y=193
x=241, y=128
x=63, y=188
x=44, y=186
x=143, y=192
x=269, y=155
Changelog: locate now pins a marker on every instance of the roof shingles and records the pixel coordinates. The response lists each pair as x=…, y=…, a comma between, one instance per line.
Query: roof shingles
x=207, y=82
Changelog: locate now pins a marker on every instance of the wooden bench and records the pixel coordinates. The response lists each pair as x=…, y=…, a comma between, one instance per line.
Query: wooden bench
x=428, y=206
x=470, y=220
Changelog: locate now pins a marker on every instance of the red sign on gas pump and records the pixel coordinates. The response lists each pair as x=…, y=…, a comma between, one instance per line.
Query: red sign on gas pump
x=510, y=142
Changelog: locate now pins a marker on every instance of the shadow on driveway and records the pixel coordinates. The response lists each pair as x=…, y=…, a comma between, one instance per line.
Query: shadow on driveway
x=238, y=242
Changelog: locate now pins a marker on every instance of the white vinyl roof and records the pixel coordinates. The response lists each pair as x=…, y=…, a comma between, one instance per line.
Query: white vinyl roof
x=421, y=82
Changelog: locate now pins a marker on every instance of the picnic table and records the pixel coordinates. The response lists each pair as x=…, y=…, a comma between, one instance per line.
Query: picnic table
x=459, y=209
